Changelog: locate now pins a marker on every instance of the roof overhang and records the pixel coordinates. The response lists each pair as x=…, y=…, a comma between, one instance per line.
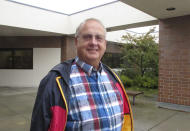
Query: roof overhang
x=23, y=20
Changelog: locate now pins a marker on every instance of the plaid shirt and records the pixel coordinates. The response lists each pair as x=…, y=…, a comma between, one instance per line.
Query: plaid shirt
x=95, y=103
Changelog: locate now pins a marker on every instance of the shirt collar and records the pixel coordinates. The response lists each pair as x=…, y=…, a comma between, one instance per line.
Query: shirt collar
x=86, y=67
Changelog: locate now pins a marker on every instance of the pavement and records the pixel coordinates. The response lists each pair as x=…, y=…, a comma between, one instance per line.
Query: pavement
x=16, y=106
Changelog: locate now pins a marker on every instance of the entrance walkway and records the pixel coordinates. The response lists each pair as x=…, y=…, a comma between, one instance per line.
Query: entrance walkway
x=16, y=107
x=148, y=117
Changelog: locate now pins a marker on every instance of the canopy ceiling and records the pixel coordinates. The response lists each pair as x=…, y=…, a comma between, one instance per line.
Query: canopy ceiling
x=24, y=19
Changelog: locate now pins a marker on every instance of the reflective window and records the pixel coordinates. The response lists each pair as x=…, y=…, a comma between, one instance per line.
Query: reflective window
x=113, y=60
x=16, y=58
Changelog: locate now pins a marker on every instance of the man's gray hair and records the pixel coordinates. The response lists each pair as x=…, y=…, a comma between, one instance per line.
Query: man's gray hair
x=84, y=22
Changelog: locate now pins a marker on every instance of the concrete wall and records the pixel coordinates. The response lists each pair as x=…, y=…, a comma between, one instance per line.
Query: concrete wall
x=43, y=60
x=174, y=61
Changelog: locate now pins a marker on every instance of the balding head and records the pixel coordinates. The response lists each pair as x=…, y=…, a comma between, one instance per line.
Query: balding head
x=78, y=30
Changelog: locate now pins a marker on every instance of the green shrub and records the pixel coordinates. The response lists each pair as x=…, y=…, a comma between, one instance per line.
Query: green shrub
x=130, y=73
x=145, y=82
x=126, y=81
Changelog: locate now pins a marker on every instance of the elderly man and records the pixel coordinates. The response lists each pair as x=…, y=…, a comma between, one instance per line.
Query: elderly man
x=83, y=94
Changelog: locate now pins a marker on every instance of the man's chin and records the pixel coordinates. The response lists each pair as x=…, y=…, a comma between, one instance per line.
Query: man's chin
x=93, y=57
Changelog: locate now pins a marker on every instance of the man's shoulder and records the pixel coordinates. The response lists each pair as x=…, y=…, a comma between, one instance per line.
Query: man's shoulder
x=62, y=69
x=62, y=65
x=107, y=68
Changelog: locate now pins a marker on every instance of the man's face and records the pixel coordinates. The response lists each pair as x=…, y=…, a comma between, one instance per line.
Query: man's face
x=91, y=43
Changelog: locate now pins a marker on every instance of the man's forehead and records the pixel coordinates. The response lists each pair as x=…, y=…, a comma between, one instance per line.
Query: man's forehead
x=93, y=27
x=93, y=23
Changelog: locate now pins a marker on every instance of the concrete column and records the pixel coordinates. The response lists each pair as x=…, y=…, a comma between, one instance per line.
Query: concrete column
x=68, y=49
x=174, y=61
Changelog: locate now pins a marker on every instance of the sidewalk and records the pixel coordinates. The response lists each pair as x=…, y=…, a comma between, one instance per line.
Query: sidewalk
x=148, y=117
x=17, y=103
x=16, y=108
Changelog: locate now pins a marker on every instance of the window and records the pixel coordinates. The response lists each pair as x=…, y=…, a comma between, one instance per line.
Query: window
x=16, y=58
x=112, y=59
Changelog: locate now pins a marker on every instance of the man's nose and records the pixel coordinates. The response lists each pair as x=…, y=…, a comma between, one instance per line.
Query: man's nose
x=93, y=40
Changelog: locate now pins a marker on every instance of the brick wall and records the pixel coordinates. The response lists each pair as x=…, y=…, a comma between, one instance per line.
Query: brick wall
x=174, y=60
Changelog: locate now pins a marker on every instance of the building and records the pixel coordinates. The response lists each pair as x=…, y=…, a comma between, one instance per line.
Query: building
x=50, y=36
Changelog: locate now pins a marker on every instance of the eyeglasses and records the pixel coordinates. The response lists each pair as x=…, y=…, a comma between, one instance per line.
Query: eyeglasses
x=88, y=37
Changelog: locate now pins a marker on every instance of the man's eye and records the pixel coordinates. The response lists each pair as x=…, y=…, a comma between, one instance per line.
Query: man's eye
x=99, y=38
x=87, y=37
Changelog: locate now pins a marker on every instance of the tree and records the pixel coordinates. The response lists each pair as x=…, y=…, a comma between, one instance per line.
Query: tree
x=140, y=57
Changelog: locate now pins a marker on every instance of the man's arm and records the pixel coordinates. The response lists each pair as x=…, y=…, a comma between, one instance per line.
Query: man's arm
x=48, y=107
x=41, y=114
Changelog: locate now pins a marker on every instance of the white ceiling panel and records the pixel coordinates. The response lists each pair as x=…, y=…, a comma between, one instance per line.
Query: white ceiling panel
x=67, y=7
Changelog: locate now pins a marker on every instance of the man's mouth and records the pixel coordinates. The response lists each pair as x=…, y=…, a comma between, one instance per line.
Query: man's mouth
x=92, y=49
